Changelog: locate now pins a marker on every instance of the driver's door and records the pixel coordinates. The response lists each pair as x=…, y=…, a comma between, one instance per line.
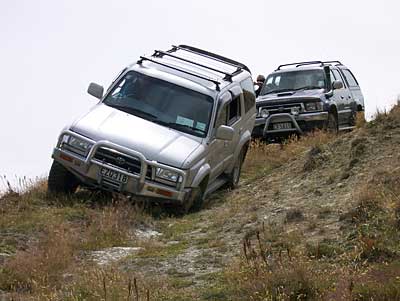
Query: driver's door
x=217, y=147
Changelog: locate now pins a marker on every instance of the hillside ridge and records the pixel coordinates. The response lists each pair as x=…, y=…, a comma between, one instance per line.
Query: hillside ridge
x=319, y=206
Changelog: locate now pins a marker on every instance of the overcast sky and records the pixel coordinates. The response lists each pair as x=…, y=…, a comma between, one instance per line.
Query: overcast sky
x=51, y=50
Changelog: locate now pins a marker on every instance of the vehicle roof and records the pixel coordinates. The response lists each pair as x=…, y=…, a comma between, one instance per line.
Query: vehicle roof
x=191, y=74
x=317, y=65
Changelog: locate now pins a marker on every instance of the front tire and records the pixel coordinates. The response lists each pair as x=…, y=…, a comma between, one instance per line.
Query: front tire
x=61, y=181
x=331, y=125
x=234, y=176
x=197, y=199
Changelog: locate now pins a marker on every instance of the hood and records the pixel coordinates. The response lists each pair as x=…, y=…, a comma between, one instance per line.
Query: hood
x=154, y=141
x=284, y=97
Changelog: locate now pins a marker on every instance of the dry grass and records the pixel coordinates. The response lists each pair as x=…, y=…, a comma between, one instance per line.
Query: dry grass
x=47, y=240
x=272, y=268
x=262, y=158
x=280, y=265
x=42, y=264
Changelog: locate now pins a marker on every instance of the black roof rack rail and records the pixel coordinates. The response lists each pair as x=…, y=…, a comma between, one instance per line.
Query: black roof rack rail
x=159, y=53
x=143, y=58
x=308, y=63
x=298, y=64
x=211, y=55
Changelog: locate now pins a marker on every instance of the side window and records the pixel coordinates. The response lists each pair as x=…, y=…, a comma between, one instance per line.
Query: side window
x=222, y=118
x=234, y=110
x=332, y=76
x=248, y=94
x=338, y=76
x=350, y=79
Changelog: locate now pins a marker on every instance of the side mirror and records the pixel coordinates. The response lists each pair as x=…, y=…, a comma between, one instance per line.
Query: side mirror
x=225, y=133
x=337, y=84
x=96, y=90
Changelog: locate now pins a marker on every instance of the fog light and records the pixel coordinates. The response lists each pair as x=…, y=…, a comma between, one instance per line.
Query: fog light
x=295, y=111
x=264, y=113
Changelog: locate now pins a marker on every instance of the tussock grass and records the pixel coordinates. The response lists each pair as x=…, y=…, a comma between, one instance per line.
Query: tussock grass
x=263, y=158
x=47, y=237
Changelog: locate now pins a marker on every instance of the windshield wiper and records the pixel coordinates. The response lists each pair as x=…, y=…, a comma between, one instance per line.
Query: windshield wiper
x=278, y=91
x=133, y=111
x=178, y=126
x=307, y=88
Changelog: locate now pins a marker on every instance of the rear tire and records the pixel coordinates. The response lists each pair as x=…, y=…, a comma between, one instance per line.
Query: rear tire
x=61, y=181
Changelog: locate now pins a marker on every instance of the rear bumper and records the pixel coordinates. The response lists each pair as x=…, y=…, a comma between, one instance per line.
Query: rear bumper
x=300, y=123
x=88, y=170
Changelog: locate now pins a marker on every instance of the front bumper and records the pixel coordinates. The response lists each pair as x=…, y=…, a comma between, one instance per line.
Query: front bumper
x=300, y=123
x=88, y=170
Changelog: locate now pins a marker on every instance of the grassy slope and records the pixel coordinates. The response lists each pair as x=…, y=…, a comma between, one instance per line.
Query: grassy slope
x=317, y=218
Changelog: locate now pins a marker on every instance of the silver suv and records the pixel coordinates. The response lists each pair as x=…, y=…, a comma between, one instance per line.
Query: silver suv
x=172, y=127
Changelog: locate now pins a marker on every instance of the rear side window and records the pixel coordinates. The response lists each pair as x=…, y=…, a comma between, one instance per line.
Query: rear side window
x=351, y=80
x=234, y=110
x=248, y=93
x=337, y=75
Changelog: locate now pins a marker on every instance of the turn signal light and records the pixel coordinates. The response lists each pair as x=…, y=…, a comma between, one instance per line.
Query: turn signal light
x=164, y=192
x=66, y=158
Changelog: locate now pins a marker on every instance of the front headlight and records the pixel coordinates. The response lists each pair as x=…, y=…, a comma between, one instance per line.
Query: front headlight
x=168, y=175
x=79, y=143
x=313, y=106
x=75, y=145
x=264, y=113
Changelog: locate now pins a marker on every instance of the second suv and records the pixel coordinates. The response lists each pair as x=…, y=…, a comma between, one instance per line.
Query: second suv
x=300, y=97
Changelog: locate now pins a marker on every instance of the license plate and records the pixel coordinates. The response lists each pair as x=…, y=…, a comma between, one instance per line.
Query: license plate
x=282, y=126
x=113, y=175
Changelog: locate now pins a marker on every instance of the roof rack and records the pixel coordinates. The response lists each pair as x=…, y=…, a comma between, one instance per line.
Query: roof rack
x=210, y=55
x=143, y=58
x=159, y=53
x=335, y=62
x=322, y=63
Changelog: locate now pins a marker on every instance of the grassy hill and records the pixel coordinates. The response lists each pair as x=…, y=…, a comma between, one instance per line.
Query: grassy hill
x=314, y=219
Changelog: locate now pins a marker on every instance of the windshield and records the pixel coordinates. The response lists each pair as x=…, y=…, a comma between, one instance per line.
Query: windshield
x=294, y=80
x=162, y=102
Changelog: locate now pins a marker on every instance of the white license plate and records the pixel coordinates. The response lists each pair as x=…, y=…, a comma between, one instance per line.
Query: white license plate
x=113, y=175
x=282, y=126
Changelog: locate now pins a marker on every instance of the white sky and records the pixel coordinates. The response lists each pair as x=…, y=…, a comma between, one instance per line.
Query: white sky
x=51, y=50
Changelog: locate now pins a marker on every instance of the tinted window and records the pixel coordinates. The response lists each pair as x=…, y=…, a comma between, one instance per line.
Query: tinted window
x=248, y=93
x=234, y=110
x=351, y=81
x=162, y=102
